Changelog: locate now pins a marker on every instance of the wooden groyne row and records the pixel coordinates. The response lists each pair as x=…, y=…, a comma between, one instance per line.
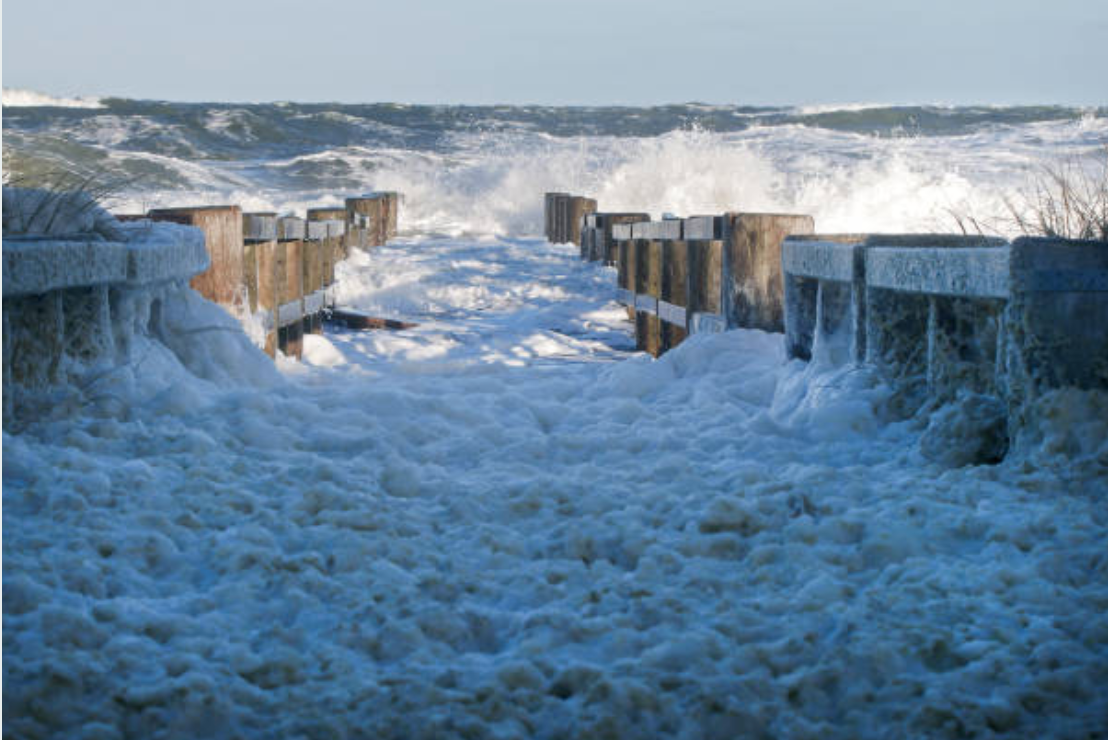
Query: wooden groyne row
x=680, y=276
x=281, y=269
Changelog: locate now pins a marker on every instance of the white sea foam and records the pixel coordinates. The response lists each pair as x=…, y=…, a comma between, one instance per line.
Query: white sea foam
x=483, y=527
x=14, y=98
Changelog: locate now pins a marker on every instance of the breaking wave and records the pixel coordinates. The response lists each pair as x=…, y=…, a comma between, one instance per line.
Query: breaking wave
x=481, y=170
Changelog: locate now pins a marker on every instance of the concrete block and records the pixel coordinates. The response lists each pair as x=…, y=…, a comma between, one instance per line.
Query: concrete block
x=35, y=265
x=980, y=272
x=824, y=281
x=1057, y=317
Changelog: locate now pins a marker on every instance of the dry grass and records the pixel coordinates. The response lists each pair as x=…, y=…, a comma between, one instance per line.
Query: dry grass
x=1067, y=199
x=50, y=203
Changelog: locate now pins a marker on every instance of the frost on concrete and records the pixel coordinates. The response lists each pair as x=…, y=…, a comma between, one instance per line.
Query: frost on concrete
x=79, y=304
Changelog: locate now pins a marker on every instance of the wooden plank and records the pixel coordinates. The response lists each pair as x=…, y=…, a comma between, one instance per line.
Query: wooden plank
x=222, y=282
x=353, y=319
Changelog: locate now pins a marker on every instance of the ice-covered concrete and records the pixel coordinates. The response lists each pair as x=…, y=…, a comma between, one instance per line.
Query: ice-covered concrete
x=950, y=318
x=71, y=306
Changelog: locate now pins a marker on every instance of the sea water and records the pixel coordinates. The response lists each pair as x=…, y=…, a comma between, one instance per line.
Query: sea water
x=506, y=523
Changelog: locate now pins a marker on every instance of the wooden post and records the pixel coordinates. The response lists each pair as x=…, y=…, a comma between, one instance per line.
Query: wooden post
x=648, y=288
x=376, y=214
x=607, y=248
x=222, y=227
x=576, y=210
x=753, y=291
x=550, y=215
x=561, y=218
x=674, y=298
x=392, y=215
x=270, y=256
x=704, y=292
x=335, y=235
x=628, y=263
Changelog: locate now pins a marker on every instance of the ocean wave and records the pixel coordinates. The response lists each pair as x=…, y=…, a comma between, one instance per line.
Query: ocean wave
x=16, y=98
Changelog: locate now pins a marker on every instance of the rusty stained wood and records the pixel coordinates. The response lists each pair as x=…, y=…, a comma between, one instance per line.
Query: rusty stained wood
x=754, y=288
x=222, y=282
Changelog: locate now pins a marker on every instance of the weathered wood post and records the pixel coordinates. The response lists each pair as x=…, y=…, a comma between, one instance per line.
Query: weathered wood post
x=649, y=237
x=607, y=249
x=291, y=311
x=319, y=235
x=578, y=208
x=625, y=268
x=550, y=216
x=391, y=214
x=222, y=227
x=375, y=216
x=333, y=214
x=674, y=301
x=260, y=239
x=704, y=292
x=753, y=291
x=361, y=222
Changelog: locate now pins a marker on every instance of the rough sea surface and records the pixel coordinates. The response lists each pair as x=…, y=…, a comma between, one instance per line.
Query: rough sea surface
x=504, y=522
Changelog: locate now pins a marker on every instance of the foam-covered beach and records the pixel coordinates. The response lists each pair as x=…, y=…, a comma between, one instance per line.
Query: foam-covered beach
x=503, y=522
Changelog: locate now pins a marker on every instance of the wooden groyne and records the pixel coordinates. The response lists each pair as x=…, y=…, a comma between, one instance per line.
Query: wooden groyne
x=680, y=276
x=281, y=269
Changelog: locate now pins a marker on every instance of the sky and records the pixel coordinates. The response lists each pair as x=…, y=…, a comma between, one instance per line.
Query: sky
x=586, y=52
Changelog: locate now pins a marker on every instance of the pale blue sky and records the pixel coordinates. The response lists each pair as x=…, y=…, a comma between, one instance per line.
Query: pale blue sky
x=592, y=52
